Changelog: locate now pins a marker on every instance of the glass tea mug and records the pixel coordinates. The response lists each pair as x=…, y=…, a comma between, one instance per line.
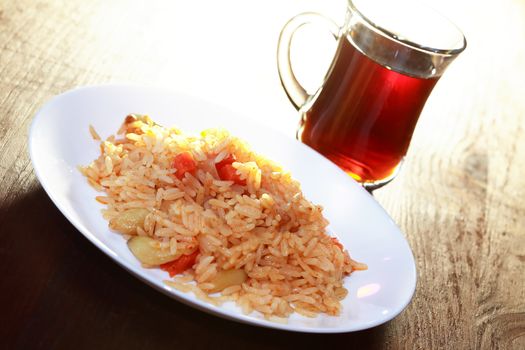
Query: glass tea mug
x=389, y=56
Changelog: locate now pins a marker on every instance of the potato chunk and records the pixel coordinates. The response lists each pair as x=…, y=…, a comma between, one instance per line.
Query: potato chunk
x=227, y=278
x=148, y=251
x=128, y=221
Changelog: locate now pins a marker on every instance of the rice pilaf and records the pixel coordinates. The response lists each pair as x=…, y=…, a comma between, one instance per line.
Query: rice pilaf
x=220, y=219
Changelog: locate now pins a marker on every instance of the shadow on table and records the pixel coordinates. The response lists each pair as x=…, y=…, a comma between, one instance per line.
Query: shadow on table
x=68, y=294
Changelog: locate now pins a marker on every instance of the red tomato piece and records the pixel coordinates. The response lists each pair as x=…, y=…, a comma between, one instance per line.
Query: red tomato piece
x=226, y=161
x=181, y=264
x=227, y=172
x=184, y=163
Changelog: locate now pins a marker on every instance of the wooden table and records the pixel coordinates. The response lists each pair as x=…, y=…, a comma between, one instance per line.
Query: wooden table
x=460, y=198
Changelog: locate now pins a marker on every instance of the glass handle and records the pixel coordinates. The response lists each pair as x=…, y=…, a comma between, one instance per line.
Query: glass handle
x=294, y=90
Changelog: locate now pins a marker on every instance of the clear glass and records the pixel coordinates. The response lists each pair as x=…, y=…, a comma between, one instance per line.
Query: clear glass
x=389, y=57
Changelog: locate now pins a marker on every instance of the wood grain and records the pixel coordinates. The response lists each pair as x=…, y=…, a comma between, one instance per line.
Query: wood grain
x=459, y=197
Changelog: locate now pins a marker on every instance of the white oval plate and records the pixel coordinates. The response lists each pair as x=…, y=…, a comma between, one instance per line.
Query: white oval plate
x=59, y=141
